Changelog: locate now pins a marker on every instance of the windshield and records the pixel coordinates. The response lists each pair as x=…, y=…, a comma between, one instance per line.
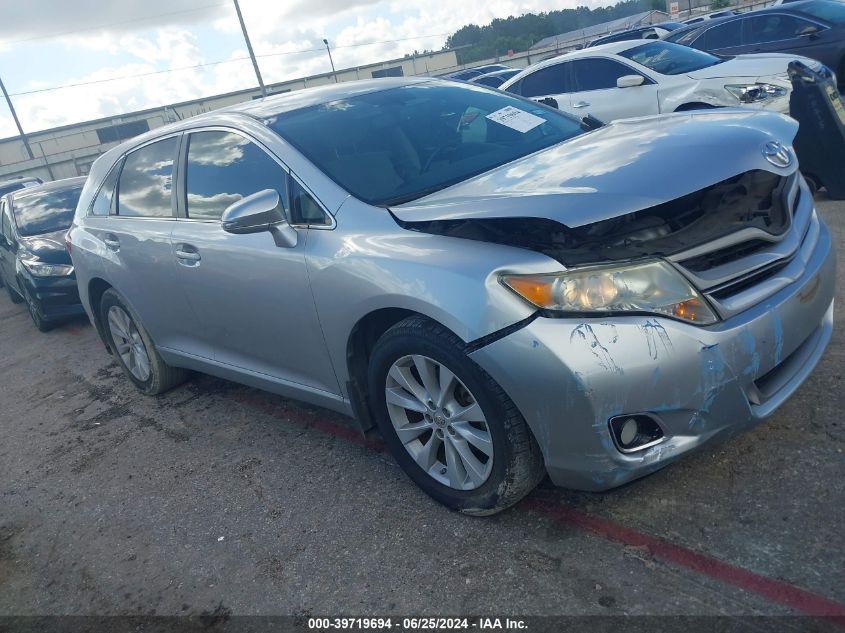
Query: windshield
x=829, y=11
x=667, y=58
x=397, y=145
x=38, y=213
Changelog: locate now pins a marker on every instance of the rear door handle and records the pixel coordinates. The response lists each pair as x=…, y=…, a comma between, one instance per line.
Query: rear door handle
x=111, y=242
x=580, y=104
x=187, y=254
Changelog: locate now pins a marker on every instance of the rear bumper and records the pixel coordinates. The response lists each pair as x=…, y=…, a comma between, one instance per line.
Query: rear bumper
x=569, y=376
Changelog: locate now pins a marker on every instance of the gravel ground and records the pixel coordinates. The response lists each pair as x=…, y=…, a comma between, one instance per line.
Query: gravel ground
x=217, y=496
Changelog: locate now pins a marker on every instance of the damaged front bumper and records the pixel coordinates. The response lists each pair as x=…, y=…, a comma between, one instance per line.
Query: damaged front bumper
x=569, y=376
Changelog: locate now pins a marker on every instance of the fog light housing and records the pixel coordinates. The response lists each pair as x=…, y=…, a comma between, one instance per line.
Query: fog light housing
x=635, y=432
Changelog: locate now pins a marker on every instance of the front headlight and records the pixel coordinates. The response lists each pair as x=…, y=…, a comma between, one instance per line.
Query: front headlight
x=755, y=93
x=652, y=286
x=42, y=269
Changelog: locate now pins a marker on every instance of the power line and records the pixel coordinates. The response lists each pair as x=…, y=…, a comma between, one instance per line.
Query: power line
x=108, y=24
x=207, y=64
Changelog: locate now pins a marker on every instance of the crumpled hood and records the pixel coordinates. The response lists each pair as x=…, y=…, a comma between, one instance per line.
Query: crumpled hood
x=752, y=66
x=629, y=165
x=49, y=247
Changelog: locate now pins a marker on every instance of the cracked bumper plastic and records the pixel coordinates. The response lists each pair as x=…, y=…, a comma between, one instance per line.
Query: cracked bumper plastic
x=569, y=376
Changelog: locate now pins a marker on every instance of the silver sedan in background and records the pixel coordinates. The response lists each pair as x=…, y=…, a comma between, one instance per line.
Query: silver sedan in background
x=502, y=292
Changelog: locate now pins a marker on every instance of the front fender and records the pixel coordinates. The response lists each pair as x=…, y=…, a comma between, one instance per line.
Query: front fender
x=369, y=263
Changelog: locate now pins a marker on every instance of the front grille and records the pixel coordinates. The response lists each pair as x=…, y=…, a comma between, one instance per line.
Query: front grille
x=741, y=269
x=724, y=255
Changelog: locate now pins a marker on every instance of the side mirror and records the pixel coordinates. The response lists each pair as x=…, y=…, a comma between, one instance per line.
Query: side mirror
x=261, y=211
x=809, y=31
x=629, y=81
x=549, y=101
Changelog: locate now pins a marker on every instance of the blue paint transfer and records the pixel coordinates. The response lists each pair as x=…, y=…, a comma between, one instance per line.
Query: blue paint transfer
x=656, y=338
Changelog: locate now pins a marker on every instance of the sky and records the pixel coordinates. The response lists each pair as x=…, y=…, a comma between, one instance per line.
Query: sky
x=45, y=44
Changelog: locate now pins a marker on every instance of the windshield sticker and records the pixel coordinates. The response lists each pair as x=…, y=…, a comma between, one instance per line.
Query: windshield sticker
x=516, y=119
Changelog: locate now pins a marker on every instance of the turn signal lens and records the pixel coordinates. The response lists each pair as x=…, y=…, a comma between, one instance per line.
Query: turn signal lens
x=652, y=286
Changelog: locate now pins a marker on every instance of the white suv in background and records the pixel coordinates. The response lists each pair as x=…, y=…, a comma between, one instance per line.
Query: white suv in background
x=636, y=78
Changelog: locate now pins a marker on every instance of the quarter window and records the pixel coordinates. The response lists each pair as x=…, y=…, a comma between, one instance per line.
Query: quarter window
x=224, y=167
x=146, y=181
x=304, y=209
x=551, y=80
x=103, y=202
x=774, y=28
x=599, y=74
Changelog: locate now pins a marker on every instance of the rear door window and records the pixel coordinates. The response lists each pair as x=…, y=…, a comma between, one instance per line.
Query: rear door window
x=551, y=80
x=145, y=187
x=224, y=167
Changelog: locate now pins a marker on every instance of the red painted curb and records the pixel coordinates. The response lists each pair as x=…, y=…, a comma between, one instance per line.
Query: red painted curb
x=774, y=590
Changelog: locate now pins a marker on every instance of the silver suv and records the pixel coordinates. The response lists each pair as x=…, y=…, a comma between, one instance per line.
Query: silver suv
x=501, y=292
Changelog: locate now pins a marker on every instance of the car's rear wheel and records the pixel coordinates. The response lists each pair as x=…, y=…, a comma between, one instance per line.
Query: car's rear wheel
x=134, y=348
x=450, y=426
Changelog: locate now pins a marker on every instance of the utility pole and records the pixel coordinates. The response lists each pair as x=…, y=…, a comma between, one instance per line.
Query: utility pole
x=17, y=122
x=249, y=48
x=331, y=61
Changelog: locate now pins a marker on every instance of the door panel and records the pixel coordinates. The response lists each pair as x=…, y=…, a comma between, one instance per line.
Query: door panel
x=135, y=241
x=137, y=262
x=251, y=299
x=253, y=303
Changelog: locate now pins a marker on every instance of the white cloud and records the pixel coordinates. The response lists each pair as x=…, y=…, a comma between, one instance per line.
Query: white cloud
x=359, y=31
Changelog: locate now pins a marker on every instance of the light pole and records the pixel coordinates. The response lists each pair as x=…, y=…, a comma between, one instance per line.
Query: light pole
x=17, y=122
x=249, y=48
x=331, y=61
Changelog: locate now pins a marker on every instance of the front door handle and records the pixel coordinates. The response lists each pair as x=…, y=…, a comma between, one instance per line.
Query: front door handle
x=187, y=254
x=580, y=104
x=111, y=242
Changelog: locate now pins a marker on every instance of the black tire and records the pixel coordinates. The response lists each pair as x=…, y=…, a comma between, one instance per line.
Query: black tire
x=14, y=295
x=40, y=322
x=517, y=460
x=162, y=376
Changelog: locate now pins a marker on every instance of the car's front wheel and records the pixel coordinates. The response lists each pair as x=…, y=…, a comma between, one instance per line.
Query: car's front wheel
x=40, y=322
x=450, y=426
x=14, y=295
x=134, y=348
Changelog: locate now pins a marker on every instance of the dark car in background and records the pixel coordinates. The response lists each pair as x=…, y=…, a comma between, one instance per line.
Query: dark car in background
x=496, y=78
x=648, y=32
x=8, y=186
x=812, y=28
x=34, y=263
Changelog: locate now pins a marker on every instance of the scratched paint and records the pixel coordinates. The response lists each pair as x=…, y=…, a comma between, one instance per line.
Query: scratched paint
x=778, y=333
x=749, y=346
x=656, y=338
x=584, y=334
x=713, y=371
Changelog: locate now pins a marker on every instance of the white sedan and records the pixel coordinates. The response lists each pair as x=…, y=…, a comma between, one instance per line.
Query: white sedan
x=636, y=78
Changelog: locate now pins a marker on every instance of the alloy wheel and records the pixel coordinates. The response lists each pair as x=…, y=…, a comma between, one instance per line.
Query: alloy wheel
x=129, y=344
x=439, y=422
